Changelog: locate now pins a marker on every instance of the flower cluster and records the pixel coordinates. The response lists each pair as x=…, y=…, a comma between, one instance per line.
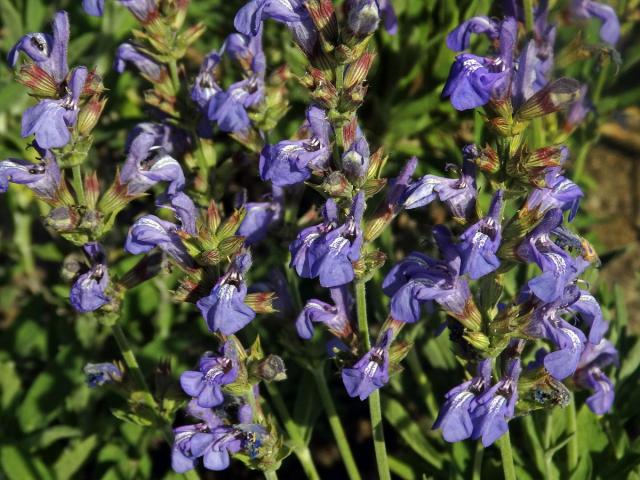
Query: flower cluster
x=493, y=333
x=224, y=394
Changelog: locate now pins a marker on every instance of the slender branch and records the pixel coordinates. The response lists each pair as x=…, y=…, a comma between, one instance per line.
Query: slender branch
x=374, y=399
x=336, y=425
x=572, y=445
x=134, y=368
x=527, y=6
x=477, y=461
x=507, y=457
x=175, y=80
x=78, y=185
x=300, y=446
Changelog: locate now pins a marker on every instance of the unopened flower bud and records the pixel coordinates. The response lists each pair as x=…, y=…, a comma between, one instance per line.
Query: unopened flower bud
x=271, y=369
x=91, y=190
x=323, y=14
x=477, y=340
x=90, y=114
x=72, y=266
x=357, y=71
x=231, y=224
x=62, y=219
x=230, y=245
x=337, y=185
x=487, y=160
x=209, y=258
x=363, y=17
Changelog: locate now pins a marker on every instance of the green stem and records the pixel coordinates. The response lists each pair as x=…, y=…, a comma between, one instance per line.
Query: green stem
x=270, y=475
x=477, y=461
x=546, y=441
x=507, y=457
x=336, y=425
x=527, y=6
x=374, y=399
x=572, y=445
x=23, y=240
x=300, y=447
x=78, y=186
x=175, y=80
x=413, y=361
x=134, y=368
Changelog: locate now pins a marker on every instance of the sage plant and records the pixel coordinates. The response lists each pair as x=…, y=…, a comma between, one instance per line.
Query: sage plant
x=510, y=200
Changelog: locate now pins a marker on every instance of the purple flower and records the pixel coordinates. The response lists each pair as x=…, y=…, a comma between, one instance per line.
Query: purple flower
x=579, y=110
x=496, y=406
x=335, y=317
x=454, y=418
x=398, y=186
x=260, y=216
x=50, y=120
x=147, y=163
x=328, y=250
x=558, y=267
x=586, y=9
x=559, y=192
x=127, y=53
x=183, y=208
x=171, y=139
x=205, y=85
x=474, y=80
x=141, y=9
x=149, y=232
x=291, y=161
x=42, y=178
x=460, y=38
x=355, y=160
x=371, y=371
x=183, y=457
x=547, y=323
x=364, y=16
x=459, y=194
x=99, y=374
x=535, y=62
x=206, y=383
x=49, y=52
x=292, y=13
x=216, y=446
x=88, y=291
x=589, y=311
x=589, y=375
x=224, y=309
x=229, y=108
x=480, y=242
x=420, y=279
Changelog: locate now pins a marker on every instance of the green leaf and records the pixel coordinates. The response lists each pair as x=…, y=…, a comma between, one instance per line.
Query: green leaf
x=73, y=457
x=12, y=25
x=15, y=465
x=307, y=407
x=53, y=434
x=409, y=430
x=10, y=384
x=40, y=404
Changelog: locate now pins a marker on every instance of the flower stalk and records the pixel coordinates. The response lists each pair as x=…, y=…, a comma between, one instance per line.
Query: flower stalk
x=375, y=409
